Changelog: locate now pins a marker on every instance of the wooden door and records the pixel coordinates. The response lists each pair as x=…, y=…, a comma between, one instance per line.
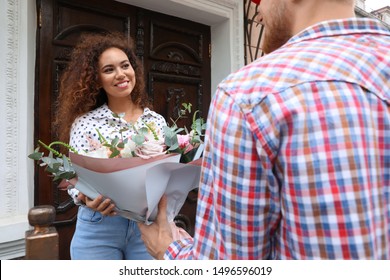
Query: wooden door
x=177, y=69
x=177, y=63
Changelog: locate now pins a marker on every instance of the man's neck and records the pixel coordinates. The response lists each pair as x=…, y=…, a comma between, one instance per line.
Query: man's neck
x=311, y=12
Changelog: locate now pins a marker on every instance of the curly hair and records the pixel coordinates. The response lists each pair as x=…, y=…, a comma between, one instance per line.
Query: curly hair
x=80, y=90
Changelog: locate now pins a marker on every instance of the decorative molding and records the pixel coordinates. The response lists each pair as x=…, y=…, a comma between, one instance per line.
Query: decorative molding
x=155, y=77
x=10, y=122
x=238, y=23
x=12, y=250
x=166, y=67
x=17, y=48
x=140, y=35
x=170, y=78
x=177, y=94
x=176, y=55
x=197, y=54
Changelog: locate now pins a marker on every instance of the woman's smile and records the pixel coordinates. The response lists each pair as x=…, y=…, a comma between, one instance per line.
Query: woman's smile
x=122, y=84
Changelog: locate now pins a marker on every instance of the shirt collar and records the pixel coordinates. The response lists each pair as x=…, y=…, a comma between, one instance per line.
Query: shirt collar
x=340, y=27
x=104, y=112
x=148, y=112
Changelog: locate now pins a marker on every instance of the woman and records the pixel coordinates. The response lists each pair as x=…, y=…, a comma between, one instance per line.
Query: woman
x=104, y=77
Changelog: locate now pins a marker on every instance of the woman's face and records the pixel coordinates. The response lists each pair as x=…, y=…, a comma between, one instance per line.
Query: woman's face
x=116, y=75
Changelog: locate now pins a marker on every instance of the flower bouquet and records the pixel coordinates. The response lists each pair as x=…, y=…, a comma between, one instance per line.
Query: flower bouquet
x=134, y=172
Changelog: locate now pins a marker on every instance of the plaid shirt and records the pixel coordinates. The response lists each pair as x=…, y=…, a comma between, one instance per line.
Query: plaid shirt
x=297, y=159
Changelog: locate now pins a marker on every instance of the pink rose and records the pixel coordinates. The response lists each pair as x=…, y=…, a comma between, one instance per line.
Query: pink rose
x=150, y=149
x=184, y=142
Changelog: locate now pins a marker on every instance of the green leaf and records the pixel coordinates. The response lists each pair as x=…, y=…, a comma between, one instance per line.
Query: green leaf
x=64, y=175
x=115, y=152
x=138, y=139
x=36, y=155
x=171, y=141
x=50, y=161
x=174, y=148
x=115, y=142
x=67, y=165
x=143, y=130
x=101, y=138
x=57, y=165
x=195, y=139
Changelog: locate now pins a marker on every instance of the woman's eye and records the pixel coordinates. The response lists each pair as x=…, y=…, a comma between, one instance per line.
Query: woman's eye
x=107, y=70
x=126, y=66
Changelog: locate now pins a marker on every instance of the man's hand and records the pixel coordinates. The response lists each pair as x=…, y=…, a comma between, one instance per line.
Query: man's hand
x=99, y=204
x=157, y=236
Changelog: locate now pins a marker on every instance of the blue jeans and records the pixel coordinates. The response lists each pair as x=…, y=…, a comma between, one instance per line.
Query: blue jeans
x=99, y=237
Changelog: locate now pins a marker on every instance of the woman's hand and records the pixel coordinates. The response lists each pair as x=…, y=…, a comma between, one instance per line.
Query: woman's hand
x=99, y=204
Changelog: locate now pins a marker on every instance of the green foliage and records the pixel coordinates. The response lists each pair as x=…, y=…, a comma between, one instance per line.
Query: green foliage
x=56, y=164
x=198, y=128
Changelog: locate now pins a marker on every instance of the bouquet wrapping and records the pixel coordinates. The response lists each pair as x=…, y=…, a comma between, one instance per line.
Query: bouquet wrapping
x=136, y=185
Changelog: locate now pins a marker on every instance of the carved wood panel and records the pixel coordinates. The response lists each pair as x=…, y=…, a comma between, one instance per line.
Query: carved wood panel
x=178, y=65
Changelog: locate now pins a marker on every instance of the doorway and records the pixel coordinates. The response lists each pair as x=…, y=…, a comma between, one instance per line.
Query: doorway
x=176, y=57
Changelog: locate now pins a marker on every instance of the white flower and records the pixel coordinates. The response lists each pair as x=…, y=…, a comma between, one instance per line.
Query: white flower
x=127, y=151
x=102, y=152
x=150, y=149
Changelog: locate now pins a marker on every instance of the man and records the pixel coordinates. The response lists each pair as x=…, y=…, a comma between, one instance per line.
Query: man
x=297, y=159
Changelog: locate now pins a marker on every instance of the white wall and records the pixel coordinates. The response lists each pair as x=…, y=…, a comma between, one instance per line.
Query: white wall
x=17, y=58
x=361, y=4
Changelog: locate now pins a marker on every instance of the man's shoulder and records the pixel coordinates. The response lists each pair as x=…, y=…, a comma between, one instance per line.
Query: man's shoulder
x=269, y=74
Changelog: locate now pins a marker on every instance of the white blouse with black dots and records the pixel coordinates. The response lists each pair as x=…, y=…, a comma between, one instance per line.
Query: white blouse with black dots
x=84, y=127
